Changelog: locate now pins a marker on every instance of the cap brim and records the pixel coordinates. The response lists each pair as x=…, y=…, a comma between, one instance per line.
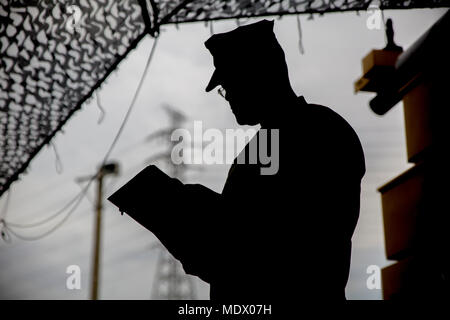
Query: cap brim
x=213, y=82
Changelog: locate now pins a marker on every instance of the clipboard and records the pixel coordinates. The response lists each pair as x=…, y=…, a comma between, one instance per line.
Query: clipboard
x=144, y=193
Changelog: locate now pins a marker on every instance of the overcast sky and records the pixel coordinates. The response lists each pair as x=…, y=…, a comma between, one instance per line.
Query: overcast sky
x=334, y=46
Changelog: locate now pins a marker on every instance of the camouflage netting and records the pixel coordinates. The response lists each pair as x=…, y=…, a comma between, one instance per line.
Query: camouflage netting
x=55, y=53
x=50, y=65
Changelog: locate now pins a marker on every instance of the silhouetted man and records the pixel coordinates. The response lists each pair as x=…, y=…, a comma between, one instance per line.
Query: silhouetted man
x=281, y=235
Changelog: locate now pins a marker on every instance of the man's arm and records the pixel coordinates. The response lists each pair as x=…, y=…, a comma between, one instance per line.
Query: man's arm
x=191, y=235
x=181, y=216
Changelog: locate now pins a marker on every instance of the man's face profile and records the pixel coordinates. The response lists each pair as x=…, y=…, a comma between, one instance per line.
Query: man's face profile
x=246, y=95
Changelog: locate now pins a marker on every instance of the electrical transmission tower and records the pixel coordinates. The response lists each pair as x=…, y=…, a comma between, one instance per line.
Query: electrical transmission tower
x=170, y=281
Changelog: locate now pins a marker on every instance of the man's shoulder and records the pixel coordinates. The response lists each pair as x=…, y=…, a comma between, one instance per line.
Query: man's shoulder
x=327, y=120
x=327, y=114
x=334, y=131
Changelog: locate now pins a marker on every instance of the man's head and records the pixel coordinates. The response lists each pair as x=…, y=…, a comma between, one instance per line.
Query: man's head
x=251, y=67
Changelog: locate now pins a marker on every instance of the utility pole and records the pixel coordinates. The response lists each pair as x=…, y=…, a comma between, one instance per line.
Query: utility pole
x=110, y=168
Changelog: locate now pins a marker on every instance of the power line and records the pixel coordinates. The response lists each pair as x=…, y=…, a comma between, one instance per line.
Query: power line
x=130, y=108
x=32, y=238
x=53, y=216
